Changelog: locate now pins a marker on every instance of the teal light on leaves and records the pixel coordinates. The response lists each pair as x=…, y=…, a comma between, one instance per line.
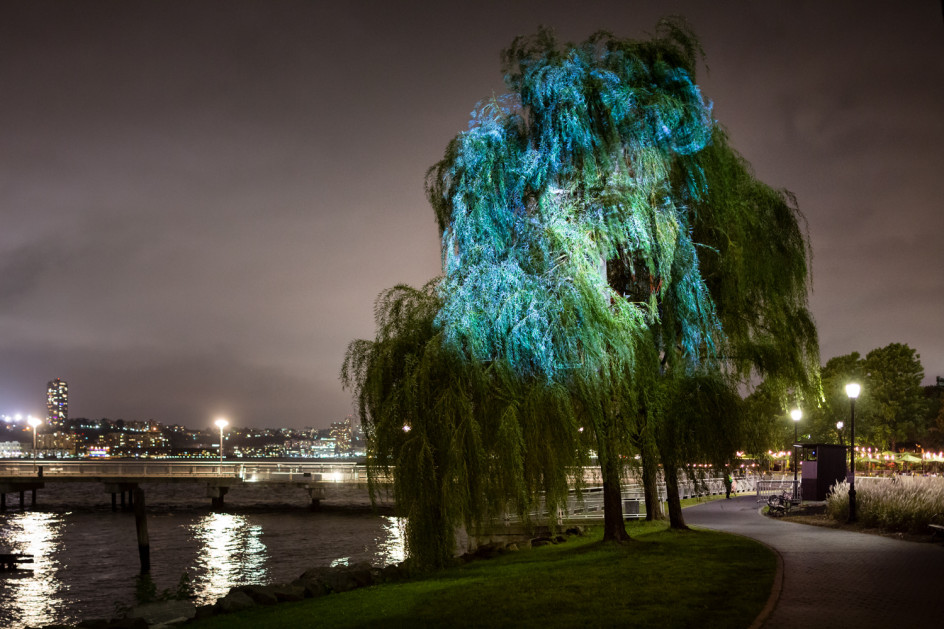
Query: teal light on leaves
x=570, y=175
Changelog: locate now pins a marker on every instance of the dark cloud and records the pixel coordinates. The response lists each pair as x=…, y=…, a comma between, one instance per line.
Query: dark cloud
x=201, y=201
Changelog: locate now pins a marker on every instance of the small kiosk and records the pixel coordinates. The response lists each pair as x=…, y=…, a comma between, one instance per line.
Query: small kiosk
x=822, y=465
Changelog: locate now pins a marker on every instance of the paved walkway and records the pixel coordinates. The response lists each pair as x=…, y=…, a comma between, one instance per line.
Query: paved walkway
x=834, y=578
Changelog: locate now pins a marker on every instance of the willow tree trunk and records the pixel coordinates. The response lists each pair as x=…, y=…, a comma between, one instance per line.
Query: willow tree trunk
x=614, y=529
x=650, y=481
x=676, y=521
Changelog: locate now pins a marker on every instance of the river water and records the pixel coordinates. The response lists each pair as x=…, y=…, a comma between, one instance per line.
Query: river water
x=86, y=561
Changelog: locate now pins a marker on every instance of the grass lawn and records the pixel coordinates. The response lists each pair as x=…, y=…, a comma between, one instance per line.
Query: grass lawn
x=663, y=578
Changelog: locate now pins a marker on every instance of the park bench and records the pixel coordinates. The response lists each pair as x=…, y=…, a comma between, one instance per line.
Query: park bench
x=779, y=504
x=9, y=561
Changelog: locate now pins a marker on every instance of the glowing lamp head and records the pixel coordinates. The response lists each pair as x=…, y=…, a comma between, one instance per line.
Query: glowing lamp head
x=34, y=421
x=221, y=423
x=796, y=414
x=839, y=425
x=407, y=428
x=852, y=390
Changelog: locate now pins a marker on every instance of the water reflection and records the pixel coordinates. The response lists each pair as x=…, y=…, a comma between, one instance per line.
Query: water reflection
x=230, y=553
x=393, y=549
x=33, y=596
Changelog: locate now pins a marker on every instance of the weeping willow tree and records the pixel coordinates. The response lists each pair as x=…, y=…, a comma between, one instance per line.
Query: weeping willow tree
x=753, y=256
x=600, y=233
x=464, y=440
x=593, y=260
x=567, y=247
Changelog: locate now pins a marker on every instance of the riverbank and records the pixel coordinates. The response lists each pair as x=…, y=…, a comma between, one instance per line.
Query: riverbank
x=662, y=578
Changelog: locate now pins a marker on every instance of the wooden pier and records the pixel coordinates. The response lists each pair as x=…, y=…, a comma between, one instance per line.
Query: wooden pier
x=10, y=561
x=121, y=478
x=128, y=479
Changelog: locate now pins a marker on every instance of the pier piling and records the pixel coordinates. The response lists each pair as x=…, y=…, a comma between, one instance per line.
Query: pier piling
x=140, y=523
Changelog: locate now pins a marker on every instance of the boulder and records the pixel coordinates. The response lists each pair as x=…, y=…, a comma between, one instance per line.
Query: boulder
x=205, y=611
x=340, y=580
x=487, y=551
x=363, y=573
x=260, y=594
x=234, y=601
x=393, y=572
x=286, y=592
x=313, y=582
x=164, y=612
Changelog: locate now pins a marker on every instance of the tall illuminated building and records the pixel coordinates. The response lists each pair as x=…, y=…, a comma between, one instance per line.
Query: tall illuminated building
x=57, y=402
x=341, y=432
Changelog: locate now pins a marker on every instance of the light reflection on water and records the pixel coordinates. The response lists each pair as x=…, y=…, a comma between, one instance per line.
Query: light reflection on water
x=86, y=557
x=231, y=553
x=392, y=546
x=33, y=599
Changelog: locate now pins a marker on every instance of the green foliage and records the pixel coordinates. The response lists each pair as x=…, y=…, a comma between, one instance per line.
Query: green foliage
x=754, y=256
x=764, y=411
x=479, y=441
x=934, y=437
x=574, y=169
x=893, y=386
x=704, y=421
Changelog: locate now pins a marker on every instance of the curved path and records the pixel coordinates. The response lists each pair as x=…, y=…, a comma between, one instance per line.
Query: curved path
x=833, y=578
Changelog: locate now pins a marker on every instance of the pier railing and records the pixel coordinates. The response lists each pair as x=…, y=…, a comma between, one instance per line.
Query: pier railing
x=281, y=472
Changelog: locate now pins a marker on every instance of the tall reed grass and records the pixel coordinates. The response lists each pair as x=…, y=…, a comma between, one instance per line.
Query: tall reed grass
x=905, y=504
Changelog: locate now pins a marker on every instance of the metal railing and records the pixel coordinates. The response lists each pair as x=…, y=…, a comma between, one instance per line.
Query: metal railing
x=336, y=472
x=773, y=486
x=591, y=502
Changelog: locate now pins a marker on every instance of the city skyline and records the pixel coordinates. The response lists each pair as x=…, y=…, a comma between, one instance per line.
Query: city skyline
x=201, y=202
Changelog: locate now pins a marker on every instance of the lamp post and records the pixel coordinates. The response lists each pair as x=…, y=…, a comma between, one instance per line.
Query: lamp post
x=796, y=414
x=839, y=426
x=852, y=390
x=34, y=422
x=221, y=424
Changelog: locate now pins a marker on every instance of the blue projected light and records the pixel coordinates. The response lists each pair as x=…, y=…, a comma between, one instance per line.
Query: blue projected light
x=552, y=188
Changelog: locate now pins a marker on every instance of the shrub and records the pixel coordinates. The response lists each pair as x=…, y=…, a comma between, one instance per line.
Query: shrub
x=904, y=504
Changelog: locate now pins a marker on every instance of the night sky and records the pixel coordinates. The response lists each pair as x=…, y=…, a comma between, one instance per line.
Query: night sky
x=200, y=201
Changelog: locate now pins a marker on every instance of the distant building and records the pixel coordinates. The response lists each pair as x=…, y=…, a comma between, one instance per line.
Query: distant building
x=13, y=449
x=57, y=402
x=324, y=448
x=342, y=434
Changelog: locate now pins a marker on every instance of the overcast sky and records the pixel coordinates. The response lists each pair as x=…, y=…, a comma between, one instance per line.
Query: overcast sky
x=200, y=201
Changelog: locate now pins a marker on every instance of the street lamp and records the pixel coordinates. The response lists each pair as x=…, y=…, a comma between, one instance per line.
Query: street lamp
x=852, y=390
x=221, y=424
x=34, y=422
x=839, y=426
x=796, y=414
